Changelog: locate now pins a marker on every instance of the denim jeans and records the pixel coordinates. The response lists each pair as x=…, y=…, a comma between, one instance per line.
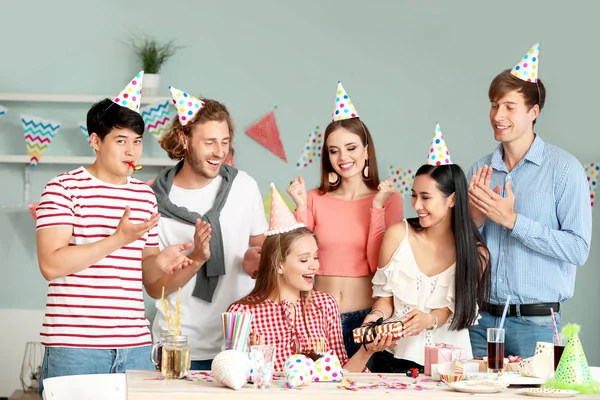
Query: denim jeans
x=350, y=321
x=62, y=361
x=521, y=334
x=201, y=365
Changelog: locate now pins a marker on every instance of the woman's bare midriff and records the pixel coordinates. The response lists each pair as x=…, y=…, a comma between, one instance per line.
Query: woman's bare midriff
x=351, y=294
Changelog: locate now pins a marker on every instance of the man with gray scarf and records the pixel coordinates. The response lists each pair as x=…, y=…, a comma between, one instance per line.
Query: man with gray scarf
x=218, y=207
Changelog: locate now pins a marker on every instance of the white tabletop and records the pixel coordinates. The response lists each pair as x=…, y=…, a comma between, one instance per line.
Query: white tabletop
x=149, y=385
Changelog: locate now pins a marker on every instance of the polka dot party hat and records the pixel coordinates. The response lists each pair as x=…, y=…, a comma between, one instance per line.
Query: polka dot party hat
x=130, y=96
x=187, y=105
x=281, y=219
x=573, y=371
x=299, y=370
x=527, y=68
x=438, y=152
x=328, y=368
x=343, y=109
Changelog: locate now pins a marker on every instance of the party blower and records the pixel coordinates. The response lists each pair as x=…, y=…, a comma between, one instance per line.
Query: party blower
x=135, y=167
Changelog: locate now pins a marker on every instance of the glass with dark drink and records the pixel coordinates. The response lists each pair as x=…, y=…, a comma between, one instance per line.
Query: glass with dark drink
x=495, y=342
x=559, y=346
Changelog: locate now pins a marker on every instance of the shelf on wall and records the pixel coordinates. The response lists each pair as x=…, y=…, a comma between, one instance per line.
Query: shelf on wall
x=20, y=159
x=68, y=98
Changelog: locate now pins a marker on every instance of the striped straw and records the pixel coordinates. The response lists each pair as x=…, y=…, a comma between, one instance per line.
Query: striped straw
x=555, y=327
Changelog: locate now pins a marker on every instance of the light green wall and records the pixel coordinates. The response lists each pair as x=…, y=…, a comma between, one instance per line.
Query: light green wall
x=405, y=64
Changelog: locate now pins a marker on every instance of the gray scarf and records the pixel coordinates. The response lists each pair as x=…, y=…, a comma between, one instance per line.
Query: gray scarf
x=208, y=276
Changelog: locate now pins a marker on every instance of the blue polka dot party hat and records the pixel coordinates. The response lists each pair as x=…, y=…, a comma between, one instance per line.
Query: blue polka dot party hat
x=527, y=68
x=130, y=96
x=343, y=109
x=573, y=372
x=438, y=151
x=187, y=105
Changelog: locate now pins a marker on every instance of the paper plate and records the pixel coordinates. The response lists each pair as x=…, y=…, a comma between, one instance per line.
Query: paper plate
x=478, y=386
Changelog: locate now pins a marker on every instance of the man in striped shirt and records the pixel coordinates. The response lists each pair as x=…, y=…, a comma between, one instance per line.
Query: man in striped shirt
x=97, y=241
x=536, y=221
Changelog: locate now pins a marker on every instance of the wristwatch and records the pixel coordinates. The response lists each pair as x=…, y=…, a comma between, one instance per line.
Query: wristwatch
x=435, y=323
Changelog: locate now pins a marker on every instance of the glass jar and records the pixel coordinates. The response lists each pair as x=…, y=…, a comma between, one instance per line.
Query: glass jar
x=156, y=353
x=176, y=360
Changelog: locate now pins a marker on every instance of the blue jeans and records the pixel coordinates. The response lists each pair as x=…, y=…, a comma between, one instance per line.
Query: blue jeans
x=63, y=361
x=202, y=365
x=350, y=321
x=521, y=334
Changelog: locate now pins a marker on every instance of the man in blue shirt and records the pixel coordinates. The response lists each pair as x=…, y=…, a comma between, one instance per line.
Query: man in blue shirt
x=537, y=219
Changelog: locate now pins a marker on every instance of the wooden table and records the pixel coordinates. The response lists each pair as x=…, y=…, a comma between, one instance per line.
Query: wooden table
x=147, y=385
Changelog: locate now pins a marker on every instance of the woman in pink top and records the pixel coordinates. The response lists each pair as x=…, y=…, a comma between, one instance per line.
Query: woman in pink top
x=349, y=212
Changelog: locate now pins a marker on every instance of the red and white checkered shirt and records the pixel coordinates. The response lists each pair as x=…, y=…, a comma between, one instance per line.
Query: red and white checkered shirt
x=273, y=322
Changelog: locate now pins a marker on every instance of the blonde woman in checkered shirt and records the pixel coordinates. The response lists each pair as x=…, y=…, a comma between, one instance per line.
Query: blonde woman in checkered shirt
x=288, y=313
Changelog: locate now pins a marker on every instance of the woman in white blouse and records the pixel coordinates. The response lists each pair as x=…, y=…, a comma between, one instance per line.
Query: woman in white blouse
x=423, y=260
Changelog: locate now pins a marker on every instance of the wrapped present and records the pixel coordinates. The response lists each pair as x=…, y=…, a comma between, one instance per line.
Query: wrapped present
x=368, y=332
x=441, y=353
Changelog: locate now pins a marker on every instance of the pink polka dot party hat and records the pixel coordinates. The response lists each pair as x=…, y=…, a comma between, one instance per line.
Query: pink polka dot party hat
x=438, y=151
x=130, y=97
x=527, y=68
x=281, y=219
x=187, y=105
x=343, y=109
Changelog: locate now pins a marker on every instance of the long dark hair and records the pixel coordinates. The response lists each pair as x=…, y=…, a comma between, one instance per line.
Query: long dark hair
x=473, y=272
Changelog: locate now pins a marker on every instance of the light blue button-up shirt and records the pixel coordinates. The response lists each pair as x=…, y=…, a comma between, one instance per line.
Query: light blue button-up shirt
x=536, y=261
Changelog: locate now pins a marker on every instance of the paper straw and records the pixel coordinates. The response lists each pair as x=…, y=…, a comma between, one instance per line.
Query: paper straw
x=555, y=327
x=504, y=312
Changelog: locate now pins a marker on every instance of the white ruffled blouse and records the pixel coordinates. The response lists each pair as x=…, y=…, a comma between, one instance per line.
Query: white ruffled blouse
x=411, y=288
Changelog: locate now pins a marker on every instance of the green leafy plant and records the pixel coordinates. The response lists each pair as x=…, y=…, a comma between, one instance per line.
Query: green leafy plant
x=151, y=53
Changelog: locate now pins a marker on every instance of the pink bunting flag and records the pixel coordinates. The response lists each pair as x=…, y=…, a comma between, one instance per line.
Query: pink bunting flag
x=266, y=132
x=32, y=207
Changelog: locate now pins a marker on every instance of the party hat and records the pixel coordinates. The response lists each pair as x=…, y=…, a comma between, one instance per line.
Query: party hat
x=328, y=368
x=299, y=370
x=438, y=152
x=343, y=109
x=527, y=68
x=130, y=96
x=573, y=371
x=281, y=220
x=187, y=105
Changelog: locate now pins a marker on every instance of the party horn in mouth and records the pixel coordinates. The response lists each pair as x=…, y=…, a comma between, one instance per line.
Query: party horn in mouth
x=135, y=167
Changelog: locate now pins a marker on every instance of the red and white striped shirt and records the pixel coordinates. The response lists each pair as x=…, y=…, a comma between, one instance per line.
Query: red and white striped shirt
x=273, y=322
x=102, y=306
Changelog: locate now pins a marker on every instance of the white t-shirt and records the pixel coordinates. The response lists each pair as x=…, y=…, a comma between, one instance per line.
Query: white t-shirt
x=242, y=216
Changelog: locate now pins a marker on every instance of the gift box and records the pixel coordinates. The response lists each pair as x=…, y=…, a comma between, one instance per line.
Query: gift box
x=368, y=332
x=441, y=353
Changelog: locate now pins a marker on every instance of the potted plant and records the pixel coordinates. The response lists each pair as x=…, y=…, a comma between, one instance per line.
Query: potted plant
x=152, y=55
